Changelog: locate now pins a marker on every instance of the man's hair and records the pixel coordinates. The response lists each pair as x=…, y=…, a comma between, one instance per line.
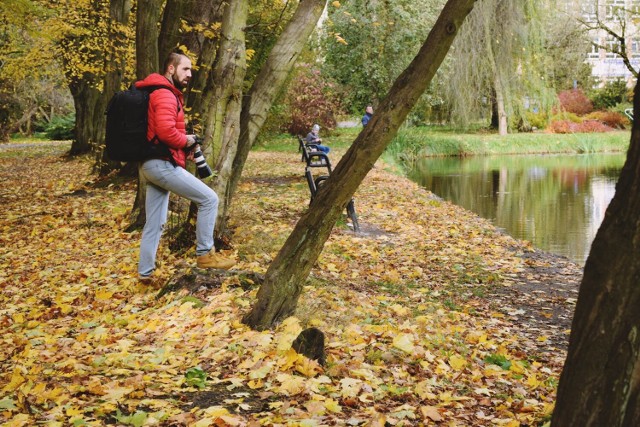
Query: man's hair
x=174, y=59
x=315, y=128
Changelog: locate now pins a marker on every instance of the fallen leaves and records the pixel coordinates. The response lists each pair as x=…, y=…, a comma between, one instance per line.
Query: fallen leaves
x=84, y=343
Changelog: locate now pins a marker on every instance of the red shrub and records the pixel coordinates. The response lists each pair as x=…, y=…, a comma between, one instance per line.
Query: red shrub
x=592, y=126
x=562, y=126
x=575, y=101
x=311, y=99
x=610, y=118
x=587, y=126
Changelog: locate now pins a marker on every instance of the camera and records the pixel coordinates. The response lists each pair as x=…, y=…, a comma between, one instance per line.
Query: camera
x=202, y=167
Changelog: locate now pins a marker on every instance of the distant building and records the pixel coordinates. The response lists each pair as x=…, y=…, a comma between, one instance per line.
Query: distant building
x=623, y=17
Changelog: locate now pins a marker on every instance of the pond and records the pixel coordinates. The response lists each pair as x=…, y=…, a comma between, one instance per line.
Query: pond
x=556, y=202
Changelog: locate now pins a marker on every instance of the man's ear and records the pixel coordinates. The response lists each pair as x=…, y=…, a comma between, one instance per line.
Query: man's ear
x=171, y=70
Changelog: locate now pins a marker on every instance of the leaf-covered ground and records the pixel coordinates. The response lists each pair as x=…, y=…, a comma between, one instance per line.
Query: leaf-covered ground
x=431, y=316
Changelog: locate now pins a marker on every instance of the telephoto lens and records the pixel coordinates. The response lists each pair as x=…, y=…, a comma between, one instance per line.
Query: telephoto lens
x=201, y=164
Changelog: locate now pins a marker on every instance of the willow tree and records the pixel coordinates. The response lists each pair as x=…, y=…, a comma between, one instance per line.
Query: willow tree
x=600, y=381
x=284, y=280
x=496, y=62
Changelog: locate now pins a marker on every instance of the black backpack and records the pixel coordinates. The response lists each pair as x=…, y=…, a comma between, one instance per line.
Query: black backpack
x=126, y=137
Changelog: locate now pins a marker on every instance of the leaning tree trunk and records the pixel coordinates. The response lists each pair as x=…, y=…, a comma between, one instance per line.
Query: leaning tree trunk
x=278, y=295
x=230, y=70
x=600, y=381
x=265, y=88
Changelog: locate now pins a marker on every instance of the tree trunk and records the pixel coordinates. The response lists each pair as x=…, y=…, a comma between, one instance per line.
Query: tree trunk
x=119, y=11
x=229, y=72
x=265, y=88
x=85, y=98
x=169, y=39
x=199, y=84
x=502, y=113
x=278, y=295
x=600, y=382
x=147, y=57
x=147, y=62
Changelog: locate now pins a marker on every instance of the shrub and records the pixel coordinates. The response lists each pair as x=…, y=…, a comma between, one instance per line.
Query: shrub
x=562, y=126
x=567, y=126
x=60, y=128
x=311, y=99
x=575, y=101
x=572, y=117
x=537, y=120
x=612, y=119
x=592, y=126
x=611, y=94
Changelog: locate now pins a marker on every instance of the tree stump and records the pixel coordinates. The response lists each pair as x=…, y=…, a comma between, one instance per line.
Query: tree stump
x=310, y=343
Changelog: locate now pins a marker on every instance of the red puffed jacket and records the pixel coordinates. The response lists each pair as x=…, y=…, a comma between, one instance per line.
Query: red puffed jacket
x=166, y=116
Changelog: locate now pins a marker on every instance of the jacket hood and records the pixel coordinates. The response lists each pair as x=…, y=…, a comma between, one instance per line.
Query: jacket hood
x=156, y=79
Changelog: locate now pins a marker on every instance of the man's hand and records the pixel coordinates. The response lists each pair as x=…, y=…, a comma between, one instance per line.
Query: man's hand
x=190, y=152
x=191, y=141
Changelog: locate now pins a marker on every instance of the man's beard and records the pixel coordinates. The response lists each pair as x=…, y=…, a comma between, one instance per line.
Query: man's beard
x=177, y=83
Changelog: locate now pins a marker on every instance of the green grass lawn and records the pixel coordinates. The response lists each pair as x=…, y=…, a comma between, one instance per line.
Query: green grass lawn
x=434, y=141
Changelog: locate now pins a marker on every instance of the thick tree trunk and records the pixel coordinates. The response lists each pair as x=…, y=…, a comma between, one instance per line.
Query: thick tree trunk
x=278, y=295
x=147, y=57
x=600, y=382
x=85, y=98
x=266, y=87
x=229, y=73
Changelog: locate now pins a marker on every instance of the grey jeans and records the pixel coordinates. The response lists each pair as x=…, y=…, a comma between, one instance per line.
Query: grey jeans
x=162, y=178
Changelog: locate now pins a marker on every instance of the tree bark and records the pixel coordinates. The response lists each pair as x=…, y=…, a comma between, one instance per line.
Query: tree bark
x=170, y=36
x=119, y=11
x=600, y=382
x=265, y=88
x=229, y=73
x=85, y=98
x=278, y=295
x=500, y=108
x=147, y=56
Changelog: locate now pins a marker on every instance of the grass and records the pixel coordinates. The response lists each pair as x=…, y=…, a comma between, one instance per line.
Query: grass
x=411, y=143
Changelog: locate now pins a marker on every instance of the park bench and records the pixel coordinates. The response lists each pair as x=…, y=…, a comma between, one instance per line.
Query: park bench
x=315, y=158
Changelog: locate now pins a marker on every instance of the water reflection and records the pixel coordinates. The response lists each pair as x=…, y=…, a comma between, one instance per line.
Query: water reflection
x=557, y=202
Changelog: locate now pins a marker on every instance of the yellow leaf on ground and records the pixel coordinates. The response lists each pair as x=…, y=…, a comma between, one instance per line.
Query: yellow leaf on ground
x=404, y=342
x=457, y=362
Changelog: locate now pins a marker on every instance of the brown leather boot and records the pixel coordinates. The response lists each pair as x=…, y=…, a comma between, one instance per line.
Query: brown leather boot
x=214, y=260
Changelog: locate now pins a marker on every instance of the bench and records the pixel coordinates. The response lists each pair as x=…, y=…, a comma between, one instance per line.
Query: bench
x=319, y=159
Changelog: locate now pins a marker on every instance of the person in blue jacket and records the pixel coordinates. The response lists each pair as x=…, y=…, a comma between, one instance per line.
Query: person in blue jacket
x=367, y=115
x=314, y=138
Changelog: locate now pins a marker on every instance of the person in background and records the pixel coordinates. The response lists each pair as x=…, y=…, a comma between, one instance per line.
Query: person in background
x=314, y=138
x=164, y=175
x=367, y=115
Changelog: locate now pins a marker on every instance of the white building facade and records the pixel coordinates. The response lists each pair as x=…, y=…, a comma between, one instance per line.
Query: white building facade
x=622, y=17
